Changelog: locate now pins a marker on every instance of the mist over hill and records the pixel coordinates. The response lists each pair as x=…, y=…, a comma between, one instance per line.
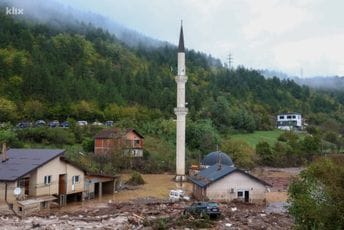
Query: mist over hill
x=317, y=82
x=60, y=15
x=330, y=82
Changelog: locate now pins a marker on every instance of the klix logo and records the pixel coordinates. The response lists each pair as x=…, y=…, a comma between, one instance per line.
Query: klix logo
x=14, y=11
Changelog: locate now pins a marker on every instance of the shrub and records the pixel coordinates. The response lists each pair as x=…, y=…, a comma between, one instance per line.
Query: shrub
x=88, y=145
x=55, y=136
x=265, y=153
x=242, y=154
x=317, y=196
x=136, y=179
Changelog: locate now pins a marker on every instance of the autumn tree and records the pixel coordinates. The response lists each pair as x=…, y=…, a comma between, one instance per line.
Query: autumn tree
x=317, y=196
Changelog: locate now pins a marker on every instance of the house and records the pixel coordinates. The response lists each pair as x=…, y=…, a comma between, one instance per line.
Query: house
x=218, y=179
x=35, y=177
x=38, y=172
x=111, y=140
x=225, y=183
x=289, y=121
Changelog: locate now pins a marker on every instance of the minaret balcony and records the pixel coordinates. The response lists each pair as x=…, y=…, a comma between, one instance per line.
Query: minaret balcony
x=181, y=78
x=180, y=111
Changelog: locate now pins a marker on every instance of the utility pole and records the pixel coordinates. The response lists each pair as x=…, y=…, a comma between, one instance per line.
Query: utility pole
x=230, y=60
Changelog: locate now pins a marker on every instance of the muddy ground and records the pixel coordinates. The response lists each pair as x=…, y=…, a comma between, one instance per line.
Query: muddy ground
x=151, y=213
x=147, y=208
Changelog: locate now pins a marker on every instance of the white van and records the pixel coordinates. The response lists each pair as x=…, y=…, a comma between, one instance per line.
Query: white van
x=177, y=195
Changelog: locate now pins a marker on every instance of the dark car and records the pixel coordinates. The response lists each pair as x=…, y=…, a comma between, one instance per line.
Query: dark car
x=203, y=208
x=54, y=124
x=23, y=125
x=64, y=124
x=108, y=123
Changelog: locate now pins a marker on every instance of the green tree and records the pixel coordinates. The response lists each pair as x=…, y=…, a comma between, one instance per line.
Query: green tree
x=33, y=109
x=317, y=196
x=311, y=145
x=265, y=153
x=202, y=135
x=242, y=154
x=86, y=110
x=7, y=138
x=8, y=110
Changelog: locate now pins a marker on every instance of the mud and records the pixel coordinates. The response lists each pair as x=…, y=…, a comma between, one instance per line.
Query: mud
x=151, y=210
x=151, y=213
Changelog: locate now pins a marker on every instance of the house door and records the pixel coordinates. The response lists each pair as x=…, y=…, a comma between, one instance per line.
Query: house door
x=62, y=184
x=247, y=196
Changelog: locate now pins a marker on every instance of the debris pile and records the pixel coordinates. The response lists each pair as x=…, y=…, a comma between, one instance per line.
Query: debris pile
x=154, y=213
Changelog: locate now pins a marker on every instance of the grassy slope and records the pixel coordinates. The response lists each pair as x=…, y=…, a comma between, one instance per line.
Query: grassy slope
x=254, y=138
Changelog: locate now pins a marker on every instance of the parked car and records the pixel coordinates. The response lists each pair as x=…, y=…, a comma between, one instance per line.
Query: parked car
x=23, y=125
x=97, y=123
x=64, y=124
x=177, y=195
x=108, y=123
x=54, y=124
x=203, y=208
x=82, y=123
x=40, y=123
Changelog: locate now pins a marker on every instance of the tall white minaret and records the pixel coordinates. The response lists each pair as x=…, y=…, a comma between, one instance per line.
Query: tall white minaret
x=180, y=110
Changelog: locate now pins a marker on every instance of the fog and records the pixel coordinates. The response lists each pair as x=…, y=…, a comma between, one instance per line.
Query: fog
x=57, y=14
x=319, y=82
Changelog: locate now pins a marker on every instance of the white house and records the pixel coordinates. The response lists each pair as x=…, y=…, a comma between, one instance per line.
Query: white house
x=289, y=121
x=225, y=183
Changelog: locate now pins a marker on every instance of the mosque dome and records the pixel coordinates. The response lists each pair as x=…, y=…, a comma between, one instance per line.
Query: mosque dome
x=217, y=157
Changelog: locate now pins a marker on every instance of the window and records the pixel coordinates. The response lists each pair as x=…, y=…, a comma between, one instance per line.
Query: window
x=281, y=117
x=240, y=194
x=47, y=180
x=288, y=117
x=136, y=142
x=294, y=116
x=75, y=179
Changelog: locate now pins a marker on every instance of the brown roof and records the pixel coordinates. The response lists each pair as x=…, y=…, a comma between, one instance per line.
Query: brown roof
x=115, y=133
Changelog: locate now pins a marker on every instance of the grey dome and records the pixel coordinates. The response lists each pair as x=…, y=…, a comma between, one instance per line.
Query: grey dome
x=217, y=157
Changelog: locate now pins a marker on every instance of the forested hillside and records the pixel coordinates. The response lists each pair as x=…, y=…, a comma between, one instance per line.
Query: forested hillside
x=85, y=73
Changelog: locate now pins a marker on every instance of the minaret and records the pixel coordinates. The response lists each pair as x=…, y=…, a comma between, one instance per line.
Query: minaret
x=180, y=110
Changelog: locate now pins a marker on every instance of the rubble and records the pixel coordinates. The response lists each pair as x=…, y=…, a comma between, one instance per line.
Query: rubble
x=151, y=213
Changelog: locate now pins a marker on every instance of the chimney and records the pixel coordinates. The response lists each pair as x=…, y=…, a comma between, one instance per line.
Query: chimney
x=4, y=153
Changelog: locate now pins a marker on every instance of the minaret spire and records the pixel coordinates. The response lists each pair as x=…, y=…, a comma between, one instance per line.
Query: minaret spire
x=181, y=110
x=181, y=48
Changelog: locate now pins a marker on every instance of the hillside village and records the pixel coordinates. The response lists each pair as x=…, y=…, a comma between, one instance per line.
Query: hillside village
x=98, y=134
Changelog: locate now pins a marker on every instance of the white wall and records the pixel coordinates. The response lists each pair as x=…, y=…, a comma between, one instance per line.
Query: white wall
x=54, y=168
x=74, y=171
x=221, y=189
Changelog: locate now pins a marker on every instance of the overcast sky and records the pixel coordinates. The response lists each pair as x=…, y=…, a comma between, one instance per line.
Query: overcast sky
x=285, y=35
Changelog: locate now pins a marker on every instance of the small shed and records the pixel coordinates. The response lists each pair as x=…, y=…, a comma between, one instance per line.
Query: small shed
x=99, y=185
